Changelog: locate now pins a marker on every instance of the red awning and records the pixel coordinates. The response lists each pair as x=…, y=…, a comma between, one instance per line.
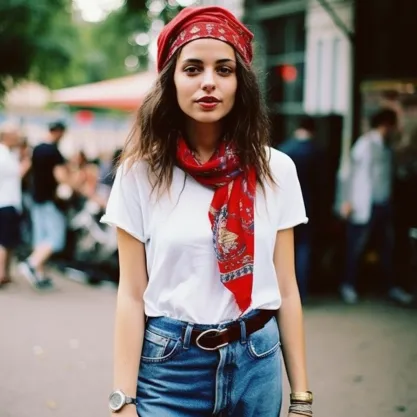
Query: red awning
x=125, y=93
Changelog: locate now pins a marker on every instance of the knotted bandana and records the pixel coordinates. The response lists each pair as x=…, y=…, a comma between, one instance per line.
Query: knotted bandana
x=231, y=215
x=203, y=22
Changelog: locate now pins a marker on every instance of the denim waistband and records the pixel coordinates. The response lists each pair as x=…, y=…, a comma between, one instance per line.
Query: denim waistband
x=175, y=328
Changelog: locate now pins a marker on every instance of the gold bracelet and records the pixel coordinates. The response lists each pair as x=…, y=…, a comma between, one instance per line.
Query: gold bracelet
x=306, y=397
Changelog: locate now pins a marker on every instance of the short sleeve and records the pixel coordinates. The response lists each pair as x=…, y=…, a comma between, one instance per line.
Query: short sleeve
x=124, y=209
x=291, y=204
x=361, y=151
x=58, y=158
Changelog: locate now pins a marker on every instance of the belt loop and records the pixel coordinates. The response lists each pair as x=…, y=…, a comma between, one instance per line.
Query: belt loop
x=242, y=331
x=187, y=335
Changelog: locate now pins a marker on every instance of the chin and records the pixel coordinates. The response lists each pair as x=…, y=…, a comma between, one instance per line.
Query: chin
x=207, y=117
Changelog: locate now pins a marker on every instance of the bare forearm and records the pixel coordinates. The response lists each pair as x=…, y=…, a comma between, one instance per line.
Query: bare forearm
x=290, y=321
x=129, y=330
x=24, y=168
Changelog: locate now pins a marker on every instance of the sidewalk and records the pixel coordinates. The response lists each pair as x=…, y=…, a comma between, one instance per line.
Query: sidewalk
x=56, y=354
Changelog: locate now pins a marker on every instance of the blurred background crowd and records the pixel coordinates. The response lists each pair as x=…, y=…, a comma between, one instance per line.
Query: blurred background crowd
x=341, y=89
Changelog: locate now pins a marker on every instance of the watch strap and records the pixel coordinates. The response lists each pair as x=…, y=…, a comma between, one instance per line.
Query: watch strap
x=131, y=400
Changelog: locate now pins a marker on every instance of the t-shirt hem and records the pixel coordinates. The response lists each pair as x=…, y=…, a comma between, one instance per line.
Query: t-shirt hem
x=115, y=223
x=186, y=317
x=292, y=224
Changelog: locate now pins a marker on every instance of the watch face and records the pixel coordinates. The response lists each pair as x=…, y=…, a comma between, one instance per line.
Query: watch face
x=116, y=400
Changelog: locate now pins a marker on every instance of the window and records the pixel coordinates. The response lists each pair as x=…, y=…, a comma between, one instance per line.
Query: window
x=285, y=44
x=286, y=83
x=272, y=1
x=285, y=34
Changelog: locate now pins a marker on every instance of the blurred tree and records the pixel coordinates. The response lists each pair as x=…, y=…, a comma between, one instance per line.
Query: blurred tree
x=36, y=38
x=114, y=41
x=44, y=40
x=115, y=36
x=171, y=7
x=135, y=5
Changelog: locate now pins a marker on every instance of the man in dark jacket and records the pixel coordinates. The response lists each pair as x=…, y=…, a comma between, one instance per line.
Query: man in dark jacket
x=308, y=159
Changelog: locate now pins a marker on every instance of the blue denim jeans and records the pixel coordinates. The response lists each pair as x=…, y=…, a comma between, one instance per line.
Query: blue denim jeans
x=357, y=239
x=49, y=225
x=177, y=379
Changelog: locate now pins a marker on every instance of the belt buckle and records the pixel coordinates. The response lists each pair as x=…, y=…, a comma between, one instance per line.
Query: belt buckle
x=206, y=332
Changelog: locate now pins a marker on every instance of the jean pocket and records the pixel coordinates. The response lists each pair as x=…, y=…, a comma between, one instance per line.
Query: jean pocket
x=157, y=347
x=265, y=342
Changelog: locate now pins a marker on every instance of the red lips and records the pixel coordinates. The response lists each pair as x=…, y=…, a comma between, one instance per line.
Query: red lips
x=208, y=99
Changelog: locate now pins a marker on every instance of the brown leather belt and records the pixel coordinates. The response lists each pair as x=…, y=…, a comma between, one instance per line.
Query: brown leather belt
x=213, y=339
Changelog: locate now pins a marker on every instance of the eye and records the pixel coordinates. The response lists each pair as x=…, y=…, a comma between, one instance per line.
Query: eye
x=225, y=71
x=192, y=70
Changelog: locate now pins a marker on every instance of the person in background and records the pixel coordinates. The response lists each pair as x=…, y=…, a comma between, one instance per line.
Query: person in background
x=49, y=224
x=84, y=175
x=25, y=152
x=108, y=167
x=367, y=205
x=308, y=158
x=107, y=172
x=405, y=209
x=12, y=169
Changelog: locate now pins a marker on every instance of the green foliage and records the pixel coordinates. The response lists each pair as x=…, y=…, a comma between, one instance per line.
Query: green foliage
x=42, y=40
x=112, y=40
x=34, y=32
x=135, y=6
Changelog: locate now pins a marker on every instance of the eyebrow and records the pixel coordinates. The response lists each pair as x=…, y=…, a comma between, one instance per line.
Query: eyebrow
x=199, y=61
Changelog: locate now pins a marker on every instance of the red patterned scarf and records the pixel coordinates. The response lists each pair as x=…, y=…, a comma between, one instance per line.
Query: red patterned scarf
x=231, y=215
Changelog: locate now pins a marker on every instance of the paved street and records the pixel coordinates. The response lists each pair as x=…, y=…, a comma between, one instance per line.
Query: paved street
x=56, y=354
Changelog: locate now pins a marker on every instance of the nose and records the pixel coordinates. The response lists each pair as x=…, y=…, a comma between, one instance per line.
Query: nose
x=208, y=83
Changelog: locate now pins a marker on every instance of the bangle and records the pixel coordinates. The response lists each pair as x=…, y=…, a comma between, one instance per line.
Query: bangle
x=301, y=409
x=301, y=397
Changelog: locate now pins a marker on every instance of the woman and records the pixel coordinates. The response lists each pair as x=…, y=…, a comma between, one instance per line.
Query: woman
x=205, y=212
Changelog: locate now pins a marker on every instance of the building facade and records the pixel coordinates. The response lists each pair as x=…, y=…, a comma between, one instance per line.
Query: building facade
x=280, y=47
x=304, y=59
x=330, y=58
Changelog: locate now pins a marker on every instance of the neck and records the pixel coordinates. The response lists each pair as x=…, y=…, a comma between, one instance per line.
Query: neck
x=382, y=131
x=204, y=138
x=7, y=144
x=51, y=139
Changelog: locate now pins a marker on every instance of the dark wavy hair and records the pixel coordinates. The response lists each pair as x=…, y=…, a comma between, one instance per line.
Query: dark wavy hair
x=153, y=137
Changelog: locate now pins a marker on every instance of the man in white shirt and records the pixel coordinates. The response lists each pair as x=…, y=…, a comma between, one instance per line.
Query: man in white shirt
x=11, y=171
x=368, y=205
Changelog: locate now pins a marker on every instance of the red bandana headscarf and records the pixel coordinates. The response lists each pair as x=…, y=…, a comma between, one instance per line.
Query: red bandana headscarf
x=231, y=212
x=203, y=22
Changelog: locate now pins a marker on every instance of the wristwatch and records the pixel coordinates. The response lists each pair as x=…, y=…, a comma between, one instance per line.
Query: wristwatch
x=118, y=399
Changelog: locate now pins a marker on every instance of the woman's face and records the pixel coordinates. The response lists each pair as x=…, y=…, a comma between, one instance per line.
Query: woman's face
x=205, y=80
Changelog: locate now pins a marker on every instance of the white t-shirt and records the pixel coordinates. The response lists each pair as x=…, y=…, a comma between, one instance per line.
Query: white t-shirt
x=10, y=181
x=184, y=280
